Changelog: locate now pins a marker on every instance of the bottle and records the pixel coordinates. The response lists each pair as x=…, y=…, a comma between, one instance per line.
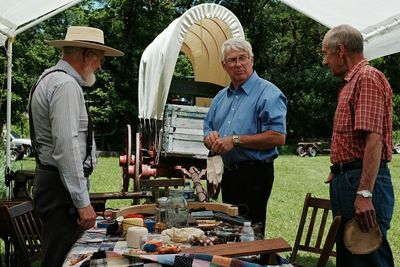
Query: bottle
x=176, y=210
x=247, y=233
x=188, y=191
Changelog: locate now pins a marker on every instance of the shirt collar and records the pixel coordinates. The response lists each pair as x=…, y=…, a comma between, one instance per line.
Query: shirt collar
x=349, y=75
x=247, y=85
x=62, y=64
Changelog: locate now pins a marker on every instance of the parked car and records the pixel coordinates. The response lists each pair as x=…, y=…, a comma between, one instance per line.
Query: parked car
x=23, y=144
x=16, y=153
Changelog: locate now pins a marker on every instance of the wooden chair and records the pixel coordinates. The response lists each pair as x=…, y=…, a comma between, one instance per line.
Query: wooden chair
x=313, y=241
x=23, y=245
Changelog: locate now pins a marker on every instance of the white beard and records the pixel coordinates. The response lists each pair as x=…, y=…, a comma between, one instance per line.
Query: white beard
x=90, y=80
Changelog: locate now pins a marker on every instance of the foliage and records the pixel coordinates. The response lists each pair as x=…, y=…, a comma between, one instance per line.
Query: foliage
x=286, y=45
x=2, y=171
x=183, y=67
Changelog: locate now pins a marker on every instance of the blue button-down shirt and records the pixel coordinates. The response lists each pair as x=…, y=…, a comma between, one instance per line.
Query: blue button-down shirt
x=257, y=106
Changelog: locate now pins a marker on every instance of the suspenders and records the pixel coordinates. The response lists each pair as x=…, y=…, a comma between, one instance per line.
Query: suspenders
x=89, y=140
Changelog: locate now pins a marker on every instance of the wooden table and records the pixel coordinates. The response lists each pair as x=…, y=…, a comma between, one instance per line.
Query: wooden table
x=236, y=249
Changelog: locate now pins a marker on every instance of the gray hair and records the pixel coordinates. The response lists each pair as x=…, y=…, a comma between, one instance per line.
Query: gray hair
x=236, y=44
x=349, y=36
x=75, y=52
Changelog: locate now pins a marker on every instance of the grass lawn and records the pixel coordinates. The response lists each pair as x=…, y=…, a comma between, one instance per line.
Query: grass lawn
x=294, y=177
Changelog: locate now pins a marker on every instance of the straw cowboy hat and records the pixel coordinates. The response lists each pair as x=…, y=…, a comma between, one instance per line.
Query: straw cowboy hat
x=359, y=242
x=87, y=37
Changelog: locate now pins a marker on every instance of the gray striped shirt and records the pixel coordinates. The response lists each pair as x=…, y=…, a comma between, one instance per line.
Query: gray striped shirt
x=60, y=122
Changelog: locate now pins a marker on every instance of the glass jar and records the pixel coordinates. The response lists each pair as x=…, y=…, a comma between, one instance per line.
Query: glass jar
x=176, y=209
x=188, y=191
x=160, y=214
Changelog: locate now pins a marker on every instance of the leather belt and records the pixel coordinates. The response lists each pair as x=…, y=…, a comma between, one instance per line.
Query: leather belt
x=47, y=167
x=248, y=163
x=354, y=165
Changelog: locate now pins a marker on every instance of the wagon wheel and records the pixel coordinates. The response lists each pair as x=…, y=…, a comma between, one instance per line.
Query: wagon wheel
x=128, y=153
x=300, y=150
x=138, y=162
x=312, y=151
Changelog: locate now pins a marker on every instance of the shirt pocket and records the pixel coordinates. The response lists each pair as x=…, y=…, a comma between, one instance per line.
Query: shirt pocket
x=344, y=119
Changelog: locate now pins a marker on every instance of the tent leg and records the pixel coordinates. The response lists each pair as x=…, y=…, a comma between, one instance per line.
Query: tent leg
x=8, y=118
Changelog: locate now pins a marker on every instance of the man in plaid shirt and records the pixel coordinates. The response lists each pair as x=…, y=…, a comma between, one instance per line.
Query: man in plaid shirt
x=360, y=181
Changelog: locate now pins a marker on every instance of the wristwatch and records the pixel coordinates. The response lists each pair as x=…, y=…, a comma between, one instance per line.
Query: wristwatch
x=236, y=141
x=364, y=193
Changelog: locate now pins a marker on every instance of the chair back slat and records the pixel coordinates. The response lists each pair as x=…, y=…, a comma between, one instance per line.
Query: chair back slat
x=311, y=226
x=322, y=228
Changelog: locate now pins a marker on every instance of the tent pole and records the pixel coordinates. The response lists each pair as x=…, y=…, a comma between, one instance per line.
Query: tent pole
x=8, y=118
x=381, y=30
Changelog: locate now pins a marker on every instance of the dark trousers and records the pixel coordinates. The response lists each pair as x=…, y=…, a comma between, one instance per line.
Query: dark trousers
x=249, y=185
x=53, y=205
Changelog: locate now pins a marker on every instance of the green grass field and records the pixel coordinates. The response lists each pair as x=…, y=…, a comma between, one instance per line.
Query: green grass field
x=294, y=177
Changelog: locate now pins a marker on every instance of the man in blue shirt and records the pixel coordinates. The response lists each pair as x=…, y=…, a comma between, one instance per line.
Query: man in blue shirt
x=245, y=125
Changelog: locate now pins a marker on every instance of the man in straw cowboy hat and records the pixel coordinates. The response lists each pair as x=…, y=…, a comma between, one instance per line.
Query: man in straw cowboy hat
x=61, y=132
x=360, y=181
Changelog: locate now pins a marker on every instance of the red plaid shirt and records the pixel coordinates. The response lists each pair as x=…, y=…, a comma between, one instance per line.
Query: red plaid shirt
x=364, y=105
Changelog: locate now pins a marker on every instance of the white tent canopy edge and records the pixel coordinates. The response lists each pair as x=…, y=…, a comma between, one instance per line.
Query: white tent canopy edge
x=378, y=21
x=16, y=17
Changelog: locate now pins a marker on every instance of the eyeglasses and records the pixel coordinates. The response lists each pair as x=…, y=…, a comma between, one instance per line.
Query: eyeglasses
x=234, y=60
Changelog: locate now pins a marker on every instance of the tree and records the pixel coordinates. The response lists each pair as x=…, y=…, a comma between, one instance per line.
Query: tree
x=286, y=45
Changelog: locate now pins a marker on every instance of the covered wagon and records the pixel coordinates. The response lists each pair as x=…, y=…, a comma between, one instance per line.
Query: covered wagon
x=170, y=141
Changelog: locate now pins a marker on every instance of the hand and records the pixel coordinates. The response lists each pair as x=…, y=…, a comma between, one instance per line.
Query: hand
x=329, y=179
x=87, y=217
x=365, y=213
x=222, y=145
x=210, y=139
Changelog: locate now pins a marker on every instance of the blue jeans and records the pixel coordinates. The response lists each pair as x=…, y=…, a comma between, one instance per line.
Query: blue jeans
x=343, y=190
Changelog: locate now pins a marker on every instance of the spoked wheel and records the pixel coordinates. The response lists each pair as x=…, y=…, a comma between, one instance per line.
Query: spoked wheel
x=312, y=151
x=300, y=150
x=128, y=153
x=138, y=162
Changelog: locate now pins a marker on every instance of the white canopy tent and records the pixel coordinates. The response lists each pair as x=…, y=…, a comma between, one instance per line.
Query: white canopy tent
x=17, y=16
x=378, y=21
x=199, y=33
